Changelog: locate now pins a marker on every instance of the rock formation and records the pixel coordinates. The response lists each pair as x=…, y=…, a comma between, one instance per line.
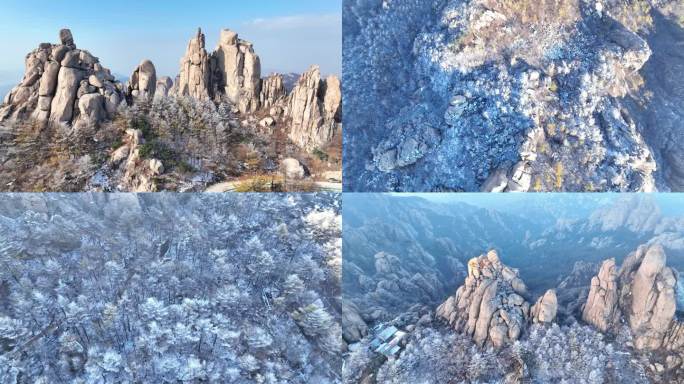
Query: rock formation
x=545, y=309
x=137, y=173
x=195, y=71
x=237, y=71
x=315, y=108
x=164, y=87
x=64, y=85
x=601, y=308
x=292, y=169
x=490, y=306
x=353, y=326
x=641, y=294
x=233, y=71
x=647, y=296
x=143, y=82
x=272, y=91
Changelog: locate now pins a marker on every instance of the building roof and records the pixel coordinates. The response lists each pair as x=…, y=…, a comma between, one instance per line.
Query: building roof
x=387, y=333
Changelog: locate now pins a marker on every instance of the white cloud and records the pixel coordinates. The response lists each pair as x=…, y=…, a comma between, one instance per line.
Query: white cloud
x=296, y=22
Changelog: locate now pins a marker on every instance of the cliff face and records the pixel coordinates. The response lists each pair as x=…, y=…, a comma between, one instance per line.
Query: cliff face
x=63, y=84
x=315, y=108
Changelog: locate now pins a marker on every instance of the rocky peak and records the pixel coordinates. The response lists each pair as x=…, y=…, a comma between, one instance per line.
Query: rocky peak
x=164, y=87
x=67, y=38
x=490, y=305
x=194, y=79
x=233, y=71
x=546, y=307
x=647, y=295
x=642, y=294
x=315, y=108
x=63, y=85
x=238, y=71
x=601, y=308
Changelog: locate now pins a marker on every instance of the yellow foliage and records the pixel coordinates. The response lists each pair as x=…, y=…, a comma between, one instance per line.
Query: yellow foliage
x=553, y=87
x=538, y=184
x=551, y=129
x=559, y=175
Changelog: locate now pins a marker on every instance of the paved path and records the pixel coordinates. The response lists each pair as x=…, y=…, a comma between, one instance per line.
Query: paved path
x=229, y=186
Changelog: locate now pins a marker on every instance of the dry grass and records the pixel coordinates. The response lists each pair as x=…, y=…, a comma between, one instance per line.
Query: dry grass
x=633, y=14
x=273, y=183
x=258, y=183
x=524, y=28
x=328, y=158
x=530, y=12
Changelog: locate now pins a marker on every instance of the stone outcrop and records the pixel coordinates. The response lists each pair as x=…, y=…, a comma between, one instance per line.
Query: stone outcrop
x=545, y=309
x=647, y=296
x=272, y=91
x=353, y=326
x=63, y=84
x=194, y=79
x=143, y=82
x=490, y=306
x=164, y=87
x=237, y=71
x=233, y=71
x=315, y=109
x=601, y=308
x=642, y=295
x=137, y=173
x=292, y=169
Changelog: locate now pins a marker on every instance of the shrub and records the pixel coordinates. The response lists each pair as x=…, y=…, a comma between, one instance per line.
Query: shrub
x=259, y=183
x=559, y=175
x=320, y=154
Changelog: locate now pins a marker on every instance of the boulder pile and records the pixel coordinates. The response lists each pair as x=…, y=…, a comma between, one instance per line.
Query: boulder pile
x=491, y=306
x=63, y=84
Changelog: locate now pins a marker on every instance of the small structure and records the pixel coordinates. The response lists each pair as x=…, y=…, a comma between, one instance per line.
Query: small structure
x=387, y=340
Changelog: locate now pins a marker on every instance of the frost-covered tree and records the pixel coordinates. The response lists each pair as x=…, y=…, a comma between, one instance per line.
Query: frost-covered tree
x=170, y=289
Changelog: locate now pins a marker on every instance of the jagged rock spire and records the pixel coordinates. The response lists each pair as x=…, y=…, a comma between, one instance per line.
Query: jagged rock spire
x=315, y=108
x=195, y=71
x=238, y=71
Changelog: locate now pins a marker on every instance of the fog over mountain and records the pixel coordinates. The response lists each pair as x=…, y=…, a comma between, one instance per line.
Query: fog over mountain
x=406, y=255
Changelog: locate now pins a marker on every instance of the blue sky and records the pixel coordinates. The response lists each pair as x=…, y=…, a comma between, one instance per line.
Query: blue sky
x=289, y=35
